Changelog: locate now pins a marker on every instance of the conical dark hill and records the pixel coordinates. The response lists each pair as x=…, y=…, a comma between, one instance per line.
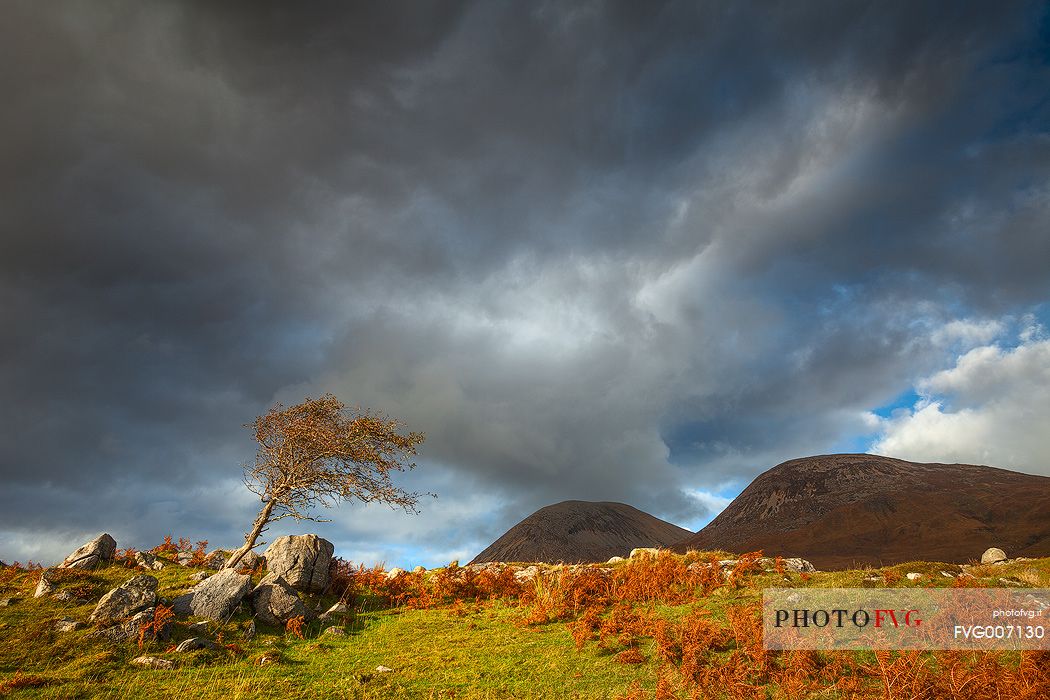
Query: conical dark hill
x=581, y=531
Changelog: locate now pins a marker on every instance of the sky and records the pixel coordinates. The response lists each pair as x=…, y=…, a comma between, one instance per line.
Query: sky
x=623, y=251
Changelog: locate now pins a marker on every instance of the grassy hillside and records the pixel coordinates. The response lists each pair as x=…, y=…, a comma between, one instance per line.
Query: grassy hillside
x=648, y=628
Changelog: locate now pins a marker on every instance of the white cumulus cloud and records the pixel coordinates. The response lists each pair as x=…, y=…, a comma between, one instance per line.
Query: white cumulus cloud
x=991, y=408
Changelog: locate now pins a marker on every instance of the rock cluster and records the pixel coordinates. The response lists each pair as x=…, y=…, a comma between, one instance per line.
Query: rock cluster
x=128, y=630
x=299, y=565
x=149, y=561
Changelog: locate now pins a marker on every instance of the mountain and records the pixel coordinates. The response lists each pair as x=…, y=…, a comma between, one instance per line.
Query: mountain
x=844, y=510
x=581, y=531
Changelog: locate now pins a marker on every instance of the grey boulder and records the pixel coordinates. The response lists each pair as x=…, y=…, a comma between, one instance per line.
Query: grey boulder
x=993, y=555
x=251, y=560
x=275, y=601
x=132, y=596
x=302, y=561
x=91, y=554
x=216, y=597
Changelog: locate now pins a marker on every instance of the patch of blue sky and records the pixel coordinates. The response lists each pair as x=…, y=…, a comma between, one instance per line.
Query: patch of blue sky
x=714, y=501
x=904, y=400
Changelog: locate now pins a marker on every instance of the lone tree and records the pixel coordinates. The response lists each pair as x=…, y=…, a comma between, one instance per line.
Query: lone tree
x=319, y=453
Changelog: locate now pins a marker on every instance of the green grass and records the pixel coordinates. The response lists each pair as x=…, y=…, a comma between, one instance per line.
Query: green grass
x=481, y=652
x=432, y=654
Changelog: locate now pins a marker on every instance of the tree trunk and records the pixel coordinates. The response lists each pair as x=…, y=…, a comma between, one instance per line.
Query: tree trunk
x=251, y=537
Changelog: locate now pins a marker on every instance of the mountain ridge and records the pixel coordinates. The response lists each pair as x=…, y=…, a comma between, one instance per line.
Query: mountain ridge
x=843, y=510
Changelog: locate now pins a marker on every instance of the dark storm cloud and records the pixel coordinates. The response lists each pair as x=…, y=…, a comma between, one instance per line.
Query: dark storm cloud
x=595, y=251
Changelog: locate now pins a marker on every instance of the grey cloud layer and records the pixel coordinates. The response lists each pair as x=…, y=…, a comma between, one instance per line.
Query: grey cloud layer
x=595, y=251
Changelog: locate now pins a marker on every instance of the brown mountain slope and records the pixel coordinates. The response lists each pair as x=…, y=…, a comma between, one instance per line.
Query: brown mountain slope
x=581, y=531
x=844, y=510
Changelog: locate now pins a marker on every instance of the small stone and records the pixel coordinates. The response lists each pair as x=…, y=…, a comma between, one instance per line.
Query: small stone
x=65, y=597
x=394, y=573
x=798, y=565
x=194, y=643
x=334, y=631
x=644, y=552
x=199, y=576
x=419, y=570
x=269, y=657
x=153, y=662
x=913, y=576
x=615, y=560
x=46, y=585
x=337, y=609
x=947, y=574
x=67, y=625
x=384, y=669
x=1011, y=582
x=993, y=555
